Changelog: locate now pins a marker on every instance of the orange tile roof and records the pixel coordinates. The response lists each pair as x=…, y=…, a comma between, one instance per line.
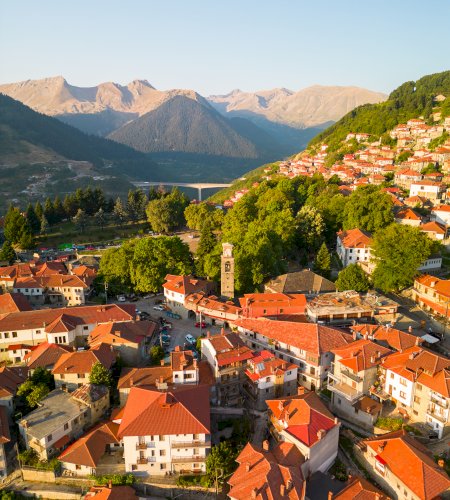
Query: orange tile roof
x=434, y=227
x=89, y=448
x=265, y=364
x=27, y=282
x=303, y=416
x=395, y=339
x=442, y=287
x=186, y=284
x=441, y=208
x=82, y=361
x=229, y=348
x=184, y=410
x=273, y=299
x=13, y=302
x=262, y=474
x=113, y=493
x=213, y=303
x=122, y=332
x=355, y=238
x=62, y=281
x=358, y=488
x=407, y=214
x=310, y=337
x=45, y=355
x=361, y=355
x=411, y=462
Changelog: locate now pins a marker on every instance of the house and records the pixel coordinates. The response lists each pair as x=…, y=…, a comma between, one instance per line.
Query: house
x=268, y=377
x=13, y=302
x=45, y=355
x=358, y=488
x=183, y=368
x=432, y=294
x=31, y=289
x=177, y=288
x=268, y=474
x=111, y=492
x=10, y=380
x=63, y=290
x=95, y=397
x=441, y=214
x=227, y=356
x=129, y=339
x=257, y=305
x=353, y=373
x=304, y=281
x=69, y=326
x=353, y=246
x=218, y=311
x=57, y=420
x=403, y=466
x=82, y=457
x=17, y=352
x=305, y=421
x=434, y=230
x=386, y=336
x=72, y=369
x=434, y=191
x=345, y=307
x=85, y=273
x=5, y=437
x=307, y=345
x=407, y=216
x=166, y=431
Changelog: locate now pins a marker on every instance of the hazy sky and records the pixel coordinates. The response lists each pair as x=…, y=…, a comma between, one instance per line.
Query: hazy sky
x=215, y=46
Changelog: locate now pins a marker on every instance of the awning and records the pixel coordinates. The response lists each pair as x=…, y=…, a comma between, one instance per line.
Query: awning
x=429, y=339
x=379, y=459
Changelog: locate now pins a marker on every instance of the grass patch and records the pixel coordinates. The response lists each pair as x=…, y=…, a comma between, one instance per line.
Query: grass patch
x=193, y=480
x=389, y=423
x=414, y=430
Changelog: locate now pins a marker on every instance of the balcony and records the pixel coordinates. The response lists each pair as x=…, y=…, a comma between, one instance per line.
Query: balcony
x=187, y=460
x=142, y=461
x=190, y=444
x=144, y=446
x=439, y=401
x=344, y=390
x=438, y=415
x=351, y=376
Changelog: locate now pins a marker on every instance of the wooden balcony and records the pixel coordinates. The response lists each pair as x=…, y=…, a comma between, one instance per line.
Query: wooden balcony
x=188, y=460
x=190, y=444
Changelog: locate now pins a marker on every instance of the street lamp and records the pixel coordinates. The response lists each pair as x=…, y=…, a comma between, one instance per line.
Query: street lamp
x=106, y=292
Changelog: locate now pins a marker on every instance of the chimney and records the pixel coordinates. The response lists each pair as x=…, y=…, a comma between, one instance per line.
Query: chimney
x=110, y=484
x=288, y=484
x=162, y=362
x=321, y=434
x=265, y=445
x=377, y=496
x=208, y=335
x=373, y=359
x=195, y=364
x=131, y=381
x=378, y=354
x=409, y=329
x=247, y=466
x=330, y=495
x=254, y=493
x=222, y=331
x=354, y=335
x=417, y=340
x=336, y=421
x=300, y=390
x=282, y=490
x=366, y=336
x=177, y=348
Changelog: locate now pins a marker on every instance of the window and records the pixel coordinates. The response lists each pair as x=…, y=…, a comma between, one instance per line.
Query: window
x=162, y=438
x=38, y=332
x=403, y=381
x=14, y=334
x=402, y=394
x=416, y=399
x=85, y=328
x=196, y=436
x=66, y=426
x=392, y=375
x=162, y=453
x=80, y=375
x=77, y=467
x=6, y=335
x=162, y=466
x=49, y=438
x=62, y=376
x=418, y=387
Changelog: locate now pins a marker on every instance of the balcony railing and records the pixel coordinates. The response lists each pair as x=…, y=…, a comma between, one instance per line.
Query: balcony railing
x=437, y=400
x=188, y=460
x=442, y=417
x=142, y=461
x=190, y=444
x=344, y=390
x=351, y=376
x=144, y=446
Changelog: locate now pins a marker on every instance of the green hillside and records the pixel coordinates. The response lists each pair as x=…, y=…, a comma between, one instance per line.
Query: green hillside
x=410, y=100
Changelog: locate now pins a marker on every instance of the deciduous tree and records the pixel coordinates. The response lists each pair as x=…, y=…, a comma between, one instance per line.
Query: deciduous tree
x=352, y=278
x=322, y=263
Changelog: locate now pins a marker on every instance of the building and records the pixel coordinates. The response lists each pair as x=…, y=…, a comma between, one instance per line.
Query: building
x=227, y=356
x=177, y=288
x=13, y=302
x=358, y=488
x=386, y=336
x=130, y=340
x=210, y=307
x=10, y=380
x=63, y=290
x=434, y=191
x=111, y=492
x=434, y=230
x=183, y=368
x=258, y=305
x=72, y=369
x=304, y=281
x=268, y=474
x=57, y=420
x=408, y=216
x=432, y=294
x=5, y=438
x=82, y=457
x=268, y=377
x=403, y=466
x=353, y=373
x=166, y=431
x=45, y=355
x=441, y=214
x=69, y=326
x=307, y=345
x=304, y=421
x=353, y=246
x=346, y=307
x=227, y=271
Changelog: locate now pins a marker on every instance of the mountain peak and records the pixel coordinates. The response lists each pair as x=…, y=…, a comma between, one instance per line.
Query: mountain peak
x=140, y=84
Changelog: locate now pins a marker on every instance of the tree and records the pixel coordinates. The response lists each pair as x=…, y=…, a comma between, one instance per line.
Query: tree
x=136, y=203
x=310, y=228
x=115, y=266
x=49, y=211
x=38, y=210
x=16, y=226
x=398, y=251
x=156, y=354
x=167, y=213
x=197, y=214
x=100, y=218
x=206, y=245
x=32, y=219
x=352, y=278
x=43, y=376
x=39, y=392
x=7, y=252
x=36, y=387
x=322, y=263
x=100, y=375
x=119, y=212
x=44, y=225
x=221, y=462
x=80, y=220
x=58, y=208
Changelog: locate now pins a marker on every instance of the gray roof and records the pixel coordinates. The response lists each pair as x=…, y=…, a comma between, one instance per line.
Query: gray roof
x=52, y=413
x=304, y=281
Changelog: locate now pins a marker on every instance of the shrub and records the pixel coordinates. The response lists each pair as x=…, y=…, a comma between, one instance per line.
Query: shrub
x=116, y=479
x=389, y=423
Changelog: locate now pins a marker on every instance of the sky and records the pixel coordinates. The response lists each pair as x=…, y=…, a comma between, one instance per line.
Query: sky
x=216, y=46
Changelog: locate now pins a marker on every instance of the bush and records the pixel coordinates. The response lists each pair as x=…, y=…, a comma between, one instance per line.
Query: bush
x=31, y=459
x=116, y=479
x=339, y=470
x=389, y=423
x=186, y=481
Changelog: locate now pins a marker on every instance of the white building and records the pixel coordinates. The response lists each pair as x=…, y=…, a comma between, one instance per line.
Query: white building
x=353, y=246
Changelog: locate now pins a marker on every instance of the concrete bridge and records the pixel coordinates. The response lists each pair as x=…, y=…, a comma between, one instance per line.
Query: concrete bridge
x=195, y=185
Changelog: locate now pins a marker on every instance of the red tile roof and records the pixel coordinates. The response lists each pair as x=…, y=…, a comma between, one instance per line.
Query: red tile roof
x=90, y=447
x=184, y=410
x=125, y=332
x=13, y=302
x=265, y=364
x=309, y=337
x=186, y=284
x=358, y=488
x=113, y=493
x=10, y=379
x=263, y=474
x=229, y=349
x=303, y=416
x=433, y=227
x=82, y=361
x=395, y=339
x=411, y=462
x=45, y=355
x=361, y=355
x=62, y=281
x=355, y=238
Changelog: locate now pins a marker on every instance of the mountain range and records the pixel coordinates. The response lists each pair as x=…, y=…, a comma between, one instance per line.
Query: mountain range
x=261, y=125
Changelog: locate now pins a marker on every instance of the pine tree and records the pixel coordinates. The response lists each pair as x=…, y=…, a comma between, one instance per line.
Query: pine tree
x=26, y=240
x=100, y=218
x=44, y=225
x=32, y=219
x=119, y=211
x=49, y=211
x=80, y=220
x=322, y=264
x=7, y=252
x=38, y=210
x=58, y=208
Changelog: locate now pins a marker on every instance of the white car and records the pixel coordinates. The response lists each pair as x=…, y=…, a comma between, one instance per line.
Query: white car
x=190, y=339
x=121, y=298
x=158, y=308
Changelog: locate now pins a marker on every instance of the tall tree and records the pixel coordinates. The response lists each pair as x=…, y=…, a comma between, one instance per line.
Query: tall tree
x=119, y=212
x=80, y=220
x=38, y=210
x=16, y=228
x=49, y=211
x=100, y=218
x=100, y=375
x=322, y=263
x=32, y=219
x=206, y=245
x=352, y=278
x=44, y=225
x=58, y=208
x=310, y=227
x=7, y=252
x=136, y=203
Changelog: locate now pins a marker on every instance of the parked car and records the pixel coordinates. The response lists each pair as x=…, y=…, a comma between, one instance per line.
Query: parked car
x=121, y=298
x=158, y=308
x=200, y=325
x=144, y=315
x=190, y=339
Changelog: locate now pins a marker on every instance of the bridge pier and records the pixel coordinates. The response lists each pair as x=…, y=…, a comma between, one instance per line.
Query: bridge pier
x=199, y=194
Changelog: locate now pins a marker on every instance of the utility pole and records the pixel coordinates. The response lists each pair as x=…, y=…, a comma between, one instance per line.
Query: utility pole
x=106, y=292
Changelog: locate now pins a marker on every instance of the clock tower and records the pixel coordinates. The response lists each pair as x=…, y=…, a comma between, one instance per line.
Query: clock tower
x=227, y=271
